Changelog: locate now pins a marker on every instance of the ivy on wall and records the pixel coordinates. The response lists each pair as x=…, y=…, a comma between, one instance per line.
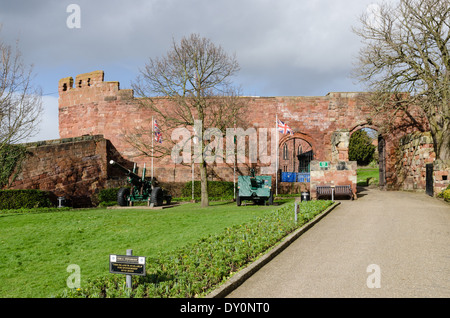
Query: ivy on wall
x=11, y=158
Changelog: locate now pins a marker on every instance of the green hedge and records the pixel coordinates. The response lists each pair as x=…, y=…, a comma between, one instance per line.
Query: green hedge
x=35, y=210
x=198, y=268
x=107, y=195
x=28, y=199
x=216, y=189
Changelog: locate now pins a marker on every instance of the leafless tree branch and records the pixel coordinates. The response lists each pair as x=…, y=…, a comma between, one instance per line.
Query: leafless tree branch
x=406, y=50
x=191, y=82
x=20, y=101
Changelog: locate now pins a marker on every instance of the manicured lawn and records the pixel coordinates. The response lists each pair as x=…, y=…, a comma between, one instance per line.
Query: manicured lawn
x=37, y=248
x=364, y=173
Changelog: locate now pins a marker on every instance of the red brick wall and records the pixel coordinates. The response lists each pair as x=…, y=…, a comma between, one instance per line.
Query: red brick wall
x=414, y=152
x=89, y=105
x=336, y=174
x=75, y=168
x=441, y=177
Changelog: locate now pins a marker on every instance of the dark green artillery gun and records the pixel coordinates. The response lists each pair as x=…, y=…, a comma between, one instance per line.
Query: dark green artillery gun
x=141, y=189
x=255, y=188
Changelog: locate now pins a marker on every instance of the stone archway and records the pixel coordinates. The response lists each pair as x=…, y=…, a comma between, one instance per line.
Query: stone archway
x=295, y=155
x=380, y=148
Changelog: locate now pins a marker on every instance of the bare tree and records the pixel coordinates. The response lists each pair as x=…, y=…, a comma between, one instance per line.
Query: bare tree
x=194, y=79
x=20, y=101
x=406, y=61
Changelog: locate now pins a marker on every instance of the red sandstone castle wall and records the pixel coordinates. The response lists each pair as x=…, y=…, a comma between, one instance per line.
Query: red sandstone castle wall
x=76, y=165
x=336, y=174
x=414, y=152
x=90, y=106
x=74, y=168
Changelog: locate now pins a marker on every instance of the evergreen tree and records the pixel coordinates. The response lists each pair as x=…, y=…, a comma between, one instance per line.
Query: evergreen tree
x=361, y=148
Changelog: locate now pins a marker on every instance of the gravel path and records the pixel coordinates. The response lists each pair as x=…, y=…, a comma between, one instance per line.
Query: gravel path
x=385, y=244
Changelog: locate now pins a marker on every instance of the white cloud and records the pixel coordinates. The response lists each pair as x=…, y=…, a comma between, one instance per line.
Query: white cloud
x=48, y=125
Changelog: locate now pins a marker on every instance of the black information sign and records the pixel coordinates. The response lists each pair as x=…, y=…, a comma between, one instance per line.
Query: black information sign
x=127, y=264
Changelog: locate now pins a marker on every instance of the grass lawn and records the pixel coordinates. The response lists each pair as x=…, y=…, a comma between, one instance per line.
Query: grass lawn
x=37, y=248
x=363, y=173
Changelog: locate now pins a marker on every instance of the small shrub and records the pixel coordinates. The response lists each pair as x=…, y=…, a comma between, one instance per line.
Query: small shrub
x=441, y=194
x=28, y=199
x=104, y=204
x=106, y=195
x=446, y=195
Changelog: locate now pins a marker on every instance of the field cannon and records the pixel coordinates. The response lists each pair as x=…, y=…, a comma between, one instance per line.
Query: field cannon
x=255, y=188
x=141, y=189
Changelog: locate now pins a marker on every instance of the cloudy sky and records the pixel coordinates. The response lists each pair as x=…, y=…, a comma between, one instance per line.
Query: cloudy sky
x=284, y=47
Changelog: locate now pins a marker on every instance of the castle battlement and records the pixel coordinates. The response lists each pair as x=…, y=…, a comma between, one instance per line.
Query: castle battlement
x=90, y=87
x=82, y=81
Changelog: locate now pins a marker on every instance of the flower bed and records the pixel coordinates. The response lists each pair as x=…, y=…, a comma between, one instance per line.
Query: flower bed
x=198, y=268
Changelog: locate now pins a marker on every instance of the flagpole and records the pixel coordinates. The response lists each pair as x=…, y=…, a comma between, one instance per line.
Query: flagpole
x=153, y=137
x=234, y=163
x=194, y=139
x=192, y=181
x=276, y=166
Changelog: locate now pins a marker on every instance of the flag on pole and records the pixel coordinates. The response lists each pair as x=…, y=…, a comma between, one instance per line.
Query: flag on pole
x=157, y=132
x=284, y=128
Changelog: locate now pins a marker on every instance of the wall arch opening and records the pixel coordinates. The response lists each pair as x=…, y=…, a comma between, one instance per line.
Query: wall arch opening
x=295, y=158
x=371, y=161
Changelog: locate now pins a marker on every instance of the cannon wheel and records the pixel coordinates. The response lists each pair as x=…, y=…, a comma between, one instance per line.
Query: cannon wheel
x=122, y=196
x=157, y=196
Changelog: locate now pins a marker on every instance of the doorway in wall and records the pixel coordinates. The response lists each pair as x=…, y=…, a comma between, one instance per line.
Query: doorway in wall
x=295, y=158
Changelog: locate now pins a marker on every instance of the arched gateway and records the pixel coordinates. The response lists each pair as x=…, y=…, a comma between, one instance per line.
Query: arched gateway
x=295, y=155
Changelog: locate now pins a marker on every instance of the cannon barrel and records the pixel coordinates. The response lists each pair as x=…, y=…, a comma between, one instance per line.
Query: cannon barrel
x=125, y=170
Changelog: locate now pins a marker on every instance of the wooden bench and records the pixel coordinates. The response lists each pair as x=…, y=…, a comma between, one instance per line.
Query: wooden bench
x=329, y=191
x=324, y=191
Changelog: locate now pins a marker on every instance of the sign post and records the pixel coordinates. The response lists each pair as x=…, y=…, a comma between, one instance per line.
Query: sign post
x=296, y=212
x=128, y=277
x=127, y=265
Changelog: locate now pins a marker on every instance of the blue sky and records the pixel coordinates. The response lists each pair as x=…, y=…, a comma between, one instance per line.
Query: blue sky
x=284, y=47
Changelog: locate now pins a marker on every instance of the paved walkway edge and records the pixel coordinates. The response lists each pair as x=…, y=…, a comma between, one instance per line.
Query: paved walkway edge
x=238, y=278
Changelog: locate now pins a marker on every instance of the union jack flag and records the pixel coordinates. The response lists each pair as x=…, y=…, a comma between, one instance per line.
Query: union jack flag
x=284, y=128
x=157, y=132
